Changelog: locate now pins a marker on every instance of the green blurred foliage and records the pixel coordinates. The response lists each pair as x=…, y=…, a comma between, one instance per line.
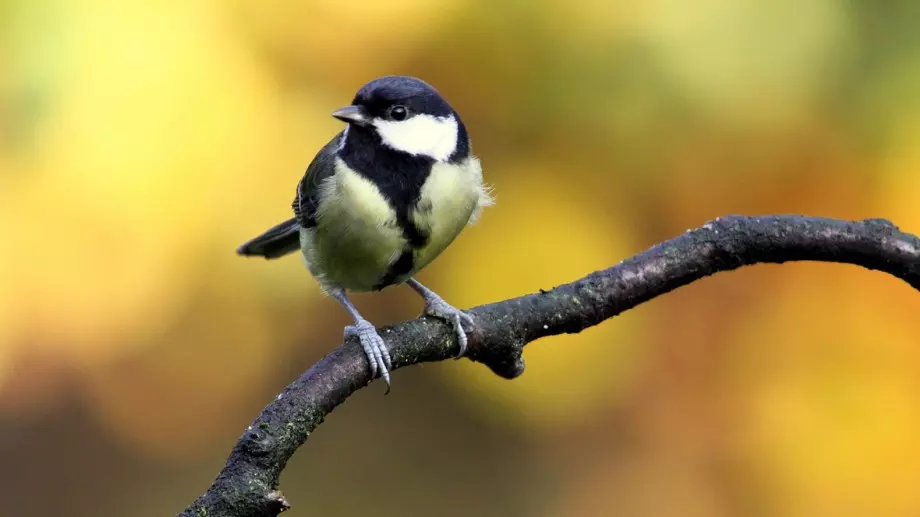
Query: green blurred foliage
x=142, y=141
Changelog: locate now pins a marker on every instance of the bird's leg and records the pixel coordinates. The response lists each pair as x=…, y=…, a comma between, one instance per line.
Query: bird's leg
x=437, y=307
x=374, y=348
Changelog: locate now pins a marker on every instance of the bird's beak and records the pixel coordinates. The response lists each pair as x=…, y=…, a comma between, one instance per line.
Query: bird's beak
x=352, y=115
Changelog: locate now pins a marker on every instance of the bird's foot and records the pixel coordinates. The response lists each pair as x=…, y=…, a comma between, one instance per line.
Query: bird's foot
x=436, y=306
x=374, y=348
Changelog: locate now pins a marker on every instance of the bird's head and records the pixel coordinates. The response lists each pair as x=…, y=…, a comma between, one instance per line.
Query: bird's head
x=406, y=115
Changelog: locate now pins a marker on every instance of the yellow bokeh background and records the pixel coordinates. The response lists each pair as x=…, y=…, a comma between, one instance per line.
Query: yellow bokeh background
x=141, y=142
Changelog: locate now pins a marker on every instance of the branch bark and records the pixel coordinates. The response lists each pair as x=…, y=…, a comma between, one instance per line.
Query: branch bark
x=248, y=484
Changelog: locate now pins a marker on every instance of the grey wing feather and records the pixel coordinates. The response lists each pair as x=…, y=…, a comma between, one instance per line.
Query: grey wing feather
x=284, y=238
x=322, y=167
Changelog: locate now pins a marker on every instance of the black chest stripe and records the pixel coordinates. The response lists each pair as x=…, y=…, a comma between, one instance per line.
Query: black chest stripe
x=398, y=268
x=416, y=237
x=399, y=176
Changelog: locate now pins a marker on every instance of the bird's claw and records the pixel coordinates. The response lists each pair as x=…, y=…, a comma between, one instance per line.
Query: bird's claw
x=374, y=348
x=435, y=306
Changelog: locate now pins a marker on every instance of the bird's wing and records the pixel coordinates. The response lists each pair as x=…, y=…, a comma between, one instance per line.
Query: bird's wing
x=322, y=167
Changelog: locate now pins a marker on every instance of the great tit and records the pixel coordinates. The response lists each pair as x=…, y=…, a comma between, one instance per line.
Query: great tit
x=382, y=200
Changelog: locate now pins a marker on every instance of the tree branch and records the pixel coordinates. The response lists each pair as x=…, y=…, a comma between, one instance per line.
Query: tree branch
x=247, y=485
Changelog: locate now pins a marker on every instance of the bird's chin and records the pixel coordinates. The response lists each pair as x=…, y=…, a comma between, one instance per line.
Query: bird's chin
x=366, y=125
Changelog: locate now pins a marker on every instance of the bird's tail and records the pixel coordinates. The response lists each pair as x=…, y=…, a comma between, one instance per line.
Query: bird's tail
x=277, y=241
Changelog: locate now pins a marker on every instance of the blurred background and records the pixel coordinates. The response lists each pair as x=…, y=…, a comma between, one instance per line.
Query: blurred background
x=142, y=141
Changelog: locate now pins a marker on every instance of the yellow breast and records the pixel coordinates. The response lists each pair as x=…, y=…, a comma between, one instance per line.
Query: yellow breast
x=452, y=197
x=356, y=236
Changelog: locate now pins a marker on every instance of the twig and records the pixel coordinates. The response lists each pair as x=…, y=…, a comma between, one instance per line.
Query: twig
x=248, y=484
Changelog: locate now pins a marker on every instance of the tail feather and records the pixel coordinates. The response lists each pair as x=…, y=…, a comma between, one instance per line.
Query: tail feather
x=277, y=241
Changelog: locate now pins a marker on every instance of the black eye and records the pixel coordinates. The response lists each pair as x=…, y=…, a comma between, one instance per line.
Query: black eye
x=399, y=112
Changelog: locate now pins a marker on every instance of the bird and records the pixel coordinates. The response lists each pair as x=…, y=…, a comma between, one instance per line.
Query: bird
x=380, y=201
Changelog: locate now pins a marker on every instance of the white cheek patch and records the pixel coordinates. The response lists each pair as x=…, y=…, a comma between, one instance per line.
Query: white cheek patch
x=434, y=137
